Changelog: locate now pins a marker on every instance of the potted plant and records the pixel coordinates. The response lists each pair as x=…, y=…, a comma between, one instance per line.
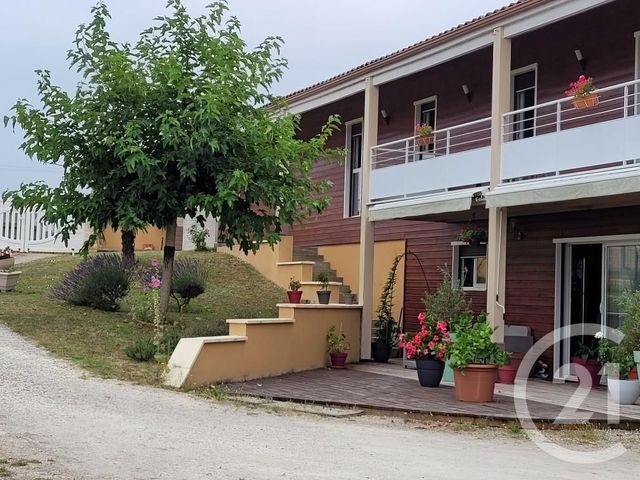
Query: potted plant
x=324, y=294
x=429, y=349
x=593, y=356
x=8, y=278
x=472, y=236
x=630, y=305
x=337, y=347
x=424, y=134
x=583, y=93
x=348, y=298
x=386, y=326
x=622, y=389
x=294, y=293
x=6, y=260
x=475, y=358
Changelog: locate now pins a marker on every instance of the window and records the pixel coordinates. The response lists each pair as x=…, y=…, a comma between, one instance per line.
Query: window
x=470, y=266
x=473, y=272
x=524, y=96
x=426, y=111
x=353, y=172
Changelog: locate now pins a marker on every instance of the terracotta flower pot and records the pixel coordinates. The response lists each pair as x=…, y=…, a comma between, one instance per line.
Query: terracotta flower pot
x=516, y=359
x=429, y=371
x=476, y=383
x=294, y=296
x=588, y=101
x=7, y=263
x=424, y=140
x=593, y=367
x=338, y=359
x=507, y=374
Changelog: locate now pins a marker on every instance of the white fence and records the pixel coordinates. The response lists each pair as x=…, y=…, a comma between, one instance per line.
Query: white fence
x=27, y=232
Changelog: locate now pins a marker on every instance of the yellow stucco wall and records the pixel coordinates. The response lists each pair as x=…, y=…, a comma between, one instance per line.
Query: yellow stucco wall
x=269, y=349
x=266, y=259
x=345, y=259
x=152, y=235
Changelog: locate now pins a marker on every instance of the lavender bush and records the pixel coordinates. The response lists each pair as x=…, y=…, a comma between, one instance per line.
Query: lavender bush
x=98, y=282
x=188, y=282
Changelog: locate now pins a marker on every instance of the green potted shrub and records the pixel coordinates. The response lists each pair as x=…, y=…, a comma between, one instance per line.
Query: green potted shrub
x=428, y=347
x=630, y=305
x=294, y=293
x=8, y=277
x=386, y=326
x=324, y=294
x=337, y=347
x=475, y=358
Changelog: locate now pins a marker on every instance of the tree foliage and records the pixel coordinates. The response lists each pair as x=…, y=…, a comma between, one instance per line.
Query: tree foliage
x=176, y=124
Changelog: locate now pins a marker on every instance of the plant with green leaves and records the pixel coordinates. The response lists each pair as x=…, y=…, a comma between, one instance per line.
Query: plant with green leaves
x=323, y=278
x=629, y=303
x=448, y=303
x=336, y=340
x=294, y=285
x=474, y=345
x=189, y=281
x=174, y=125
x=198, y=237
x=386, y=325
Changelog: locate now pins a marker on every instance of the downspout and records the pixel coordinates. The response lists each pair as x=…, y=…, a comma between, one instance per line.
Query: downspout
x=499, y=269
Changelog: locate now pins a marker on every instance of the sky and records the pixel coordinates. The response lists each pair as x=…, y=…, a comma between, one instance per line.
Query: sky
x=322, y=39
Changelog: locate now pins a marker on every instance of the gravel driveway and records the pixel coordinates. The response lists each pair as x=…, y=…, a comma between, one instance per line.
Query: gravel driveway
x=86, y=428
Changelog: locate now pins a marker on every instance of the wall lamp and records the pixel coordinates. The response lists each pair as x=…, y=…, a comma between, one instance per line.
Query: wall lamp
x=385, y=116
x=581, y=59
x=466, y=91
x=515, y=229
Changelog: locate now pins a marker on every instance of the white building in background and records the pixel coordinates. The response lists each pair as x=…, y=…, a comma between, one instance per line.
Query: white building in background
x=210, y=224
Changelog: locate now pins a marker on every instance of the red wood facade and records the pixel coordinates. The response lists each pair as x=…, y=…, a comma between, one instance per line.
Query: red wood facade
x=606, y=38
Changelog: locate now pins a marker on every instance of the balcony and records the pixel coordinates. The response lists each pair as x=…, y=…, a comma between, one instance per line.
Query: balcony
x=458, y=158
x=549, y=144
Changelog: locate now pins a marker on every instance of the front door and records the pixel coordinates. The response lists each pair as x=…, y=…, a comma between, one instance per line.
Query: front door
x=622, y=273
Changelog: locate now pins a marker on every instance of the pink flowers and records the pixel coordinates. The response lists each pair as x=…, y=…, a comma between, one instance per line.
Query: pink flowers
x=155, y=283
x=155, y=263
x=431, y=341
x=581, y=87
x=423, y=129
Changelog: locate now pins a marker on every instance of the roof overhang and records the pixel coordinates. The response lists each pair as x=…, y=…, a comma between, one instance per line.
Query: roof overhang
x=421, y=207
x=570, y=188
x=516, y=19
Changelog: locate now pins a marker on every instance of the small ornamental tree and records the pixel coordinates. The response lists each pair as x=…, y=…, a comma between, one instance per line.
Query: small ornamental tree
x=197, y=132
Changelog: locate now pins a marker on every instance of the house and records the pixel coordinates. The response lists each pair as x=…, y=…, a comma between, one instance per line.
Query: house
x=556, y=187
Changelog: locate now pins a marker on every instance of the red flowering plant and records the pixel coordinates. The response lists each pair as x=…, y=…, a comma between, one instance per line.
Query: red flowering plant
x=423, y=129
x=581, y=87
x=430, y=342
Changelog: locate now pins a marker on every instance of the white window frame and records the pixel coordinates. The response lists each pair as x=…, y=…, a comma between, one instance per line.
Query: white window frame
x=636, y=37
x=514, y=73
x=417, y=107
x=455, y=274
x=347, y=167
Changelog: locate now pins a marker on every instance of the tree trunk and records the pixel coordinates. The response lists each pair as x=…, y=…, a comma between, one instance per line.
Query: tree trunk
x=167, y=269
x=128, y=248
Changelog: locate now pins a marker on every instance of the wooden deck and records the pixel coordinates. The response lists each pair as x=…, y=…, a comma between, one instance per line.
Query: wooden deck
x=393, y=388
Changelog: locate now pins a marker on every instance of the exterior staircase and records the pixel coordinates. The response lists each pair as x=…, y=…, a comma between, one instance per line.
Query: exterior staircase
x=310, y=254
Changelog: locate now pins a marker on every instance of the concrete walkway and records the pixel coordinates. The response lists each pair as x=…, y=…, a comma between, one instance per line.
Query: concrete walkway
x=87, y=428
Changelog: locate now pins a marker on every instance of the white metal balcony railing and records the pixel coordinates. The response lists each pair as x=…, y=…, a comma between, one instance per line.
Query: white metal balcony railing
x=554, y=138
x=547, y=140
x=457, y=157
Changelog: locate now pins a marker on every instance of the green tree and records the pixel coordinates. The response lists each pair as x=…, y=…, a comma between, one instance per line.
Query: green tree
x=197, y=132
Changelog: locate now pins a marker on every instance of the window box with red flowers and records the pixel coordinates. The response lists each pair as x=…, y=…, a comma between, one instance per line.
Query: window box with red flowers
x=583, y=93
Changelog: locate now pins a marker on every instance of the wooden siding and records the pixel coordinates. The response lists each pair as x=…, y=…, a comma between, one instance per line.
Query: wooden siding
x=530, y=270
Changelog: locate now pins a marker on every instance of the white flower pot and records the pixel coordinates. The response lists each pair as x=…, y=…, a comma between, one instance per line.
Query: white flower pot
x=8, y=281
x=624, y=392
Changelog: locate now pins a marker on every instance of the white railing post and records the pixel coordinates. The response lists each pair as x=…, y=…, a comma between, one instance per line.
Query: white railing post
x=558, y=116
x=448, y=145
x=626, y=101
x=406, y=150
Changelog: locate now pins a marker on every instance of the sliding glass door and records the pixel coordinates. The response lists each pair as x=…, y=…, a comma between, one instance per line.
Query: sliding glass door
x=622, y=272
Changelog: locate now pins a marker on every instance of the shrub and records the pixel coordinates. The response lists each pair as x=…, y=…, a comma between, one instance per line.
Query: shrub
x=474, y=344
x=447, y=303
x=386, y=325
x=142, y=350
x=169, y=341
x=98, y=282
x=189, y=281
x=199, y=237
x=629, y=303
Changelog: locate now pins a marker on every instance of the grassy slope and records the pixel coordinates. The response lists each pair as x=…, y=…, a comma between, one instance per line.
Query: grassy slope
x=95, y=340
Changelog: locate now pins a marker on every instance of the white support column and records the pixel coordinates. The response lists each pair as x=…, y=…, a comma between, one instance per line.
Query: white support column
x=497, y=238
x=370, y=139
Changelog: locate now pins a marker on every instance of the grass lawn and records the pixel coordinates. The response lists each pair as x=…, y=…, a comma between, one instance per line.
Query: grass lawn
x=95, y=340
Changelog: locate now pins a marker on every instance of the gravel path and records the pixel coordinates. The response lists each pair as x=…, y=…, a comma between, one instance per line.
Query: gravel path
x=86, y=428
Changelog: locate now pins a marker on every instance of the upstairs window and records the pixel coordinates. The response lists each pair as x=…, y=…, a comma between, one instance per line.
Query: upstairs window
x=426, y=112
x=524, y=96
